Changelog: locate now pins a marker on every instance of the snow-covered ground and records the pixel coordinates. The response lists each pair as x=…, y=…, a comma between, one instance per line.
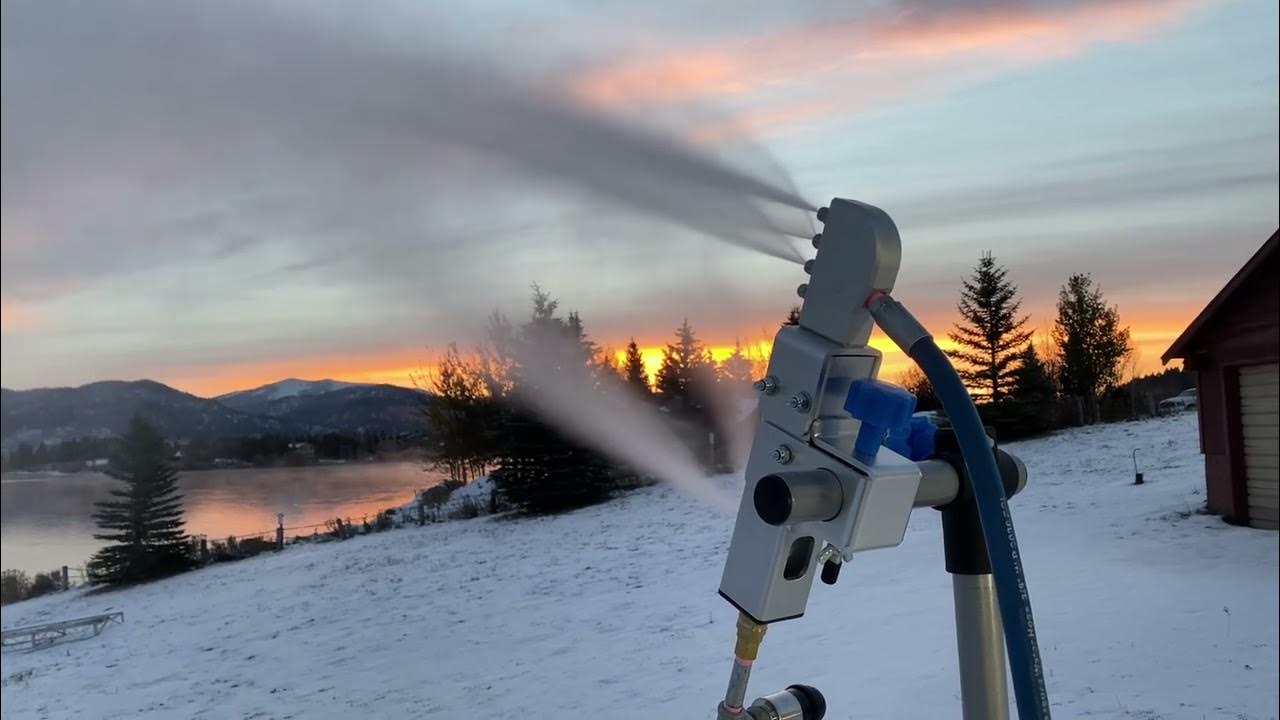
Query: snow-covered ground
x=1145, y=609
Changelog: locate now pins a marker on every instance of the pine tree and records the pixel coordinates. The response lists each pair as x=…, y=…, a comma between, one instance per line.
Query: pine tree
x=991, y=333
x=1091, y=344
x=684, y=364
x=143, y=519
x=1032, y=396
x=633, y=370
x=540, y=470
x=793, y=316
x=737, y=368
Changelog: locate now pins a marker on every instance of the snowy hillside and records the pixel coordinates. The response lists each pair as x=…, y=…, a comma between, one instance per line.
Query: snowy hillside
x=287, y=388
x=1145, y=608
x=322, y=405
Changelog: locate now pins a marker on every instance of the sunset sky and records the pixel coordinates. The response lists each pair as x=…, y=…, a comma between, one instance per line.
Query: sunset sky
x=178, y=204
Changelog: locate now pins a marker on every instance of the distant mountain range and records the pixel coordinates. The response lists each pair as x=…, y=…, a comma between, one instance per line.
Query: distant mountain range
x=290, y=389
x=318, y=405
x=289, y=406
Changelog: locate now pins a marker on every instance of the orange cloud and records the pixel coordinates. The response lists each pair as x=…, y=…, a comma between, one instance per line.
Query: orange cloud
x=889, y=52
x=15, y=316
x=394, y=367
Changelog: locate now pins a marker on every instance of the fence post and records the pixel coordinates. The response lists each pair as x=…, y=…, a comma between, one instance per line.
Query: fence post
x=66, y=578
x=204, y=549
x=279, y=531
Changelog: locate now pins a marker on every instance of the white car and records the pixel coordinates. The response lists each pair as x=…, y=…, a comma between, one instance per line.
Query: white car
x=1185, y=400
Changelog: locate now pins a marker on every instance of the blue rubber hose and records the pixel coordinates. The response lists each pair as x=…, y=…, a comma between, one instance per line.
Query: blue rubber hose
x=997, y=528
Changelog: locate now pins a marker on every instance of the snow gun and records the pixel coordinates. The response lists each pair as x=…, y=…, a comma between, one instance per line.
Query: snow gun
x=839, y=461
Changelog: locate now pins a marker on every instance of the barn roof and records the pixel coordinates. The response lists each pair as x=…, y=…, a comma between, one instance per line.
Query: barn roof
x=1182, y=347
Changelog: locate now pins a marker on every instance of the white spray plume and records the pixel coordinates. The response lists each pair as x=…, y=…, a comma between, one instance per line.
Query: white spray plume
x=728, y=406
x=223, y=98
x=616, y=422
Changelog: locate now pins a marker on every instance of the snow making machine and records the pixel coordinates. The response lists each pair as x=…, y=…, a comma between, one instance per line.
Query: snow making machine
x=838, y=463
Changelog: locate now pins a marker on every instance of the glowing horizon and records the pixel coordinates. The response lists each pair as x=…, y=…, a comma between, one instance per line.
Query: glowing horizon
x=402, y=368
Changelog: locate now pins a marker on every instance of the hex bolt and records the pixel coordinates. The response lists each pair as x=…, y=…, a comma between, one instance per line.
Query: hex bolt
x=768, y=386
x=799, y=402
x=782, y=455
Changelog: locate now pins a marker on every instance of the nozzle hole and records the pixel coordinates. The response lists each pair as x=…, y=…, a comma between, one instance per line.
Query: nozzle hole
x=798, y=558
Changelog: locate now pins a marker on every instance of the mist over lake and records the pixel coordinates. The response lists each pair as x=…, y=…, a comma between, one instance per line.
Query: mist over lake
x=45, y=517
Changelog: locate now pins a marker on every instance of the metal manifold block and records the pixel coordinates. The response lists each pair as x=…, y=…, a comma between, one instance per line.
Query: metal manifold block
x=808, y=499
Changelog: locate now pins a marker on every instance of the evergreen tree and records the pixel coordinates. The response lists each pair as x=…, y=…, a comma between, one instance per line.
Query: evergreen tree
x=633, y=370
x=991, y=333
x=143, y=519
x=793, y=316
x=1032, y=397
x=1091, y=344
x=540, y=470
x=684, y=364
x=737, y=368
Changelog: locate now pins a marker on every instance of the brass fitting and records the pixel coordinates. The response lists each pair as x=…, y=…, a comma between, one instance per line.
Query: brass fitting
x=750, y=635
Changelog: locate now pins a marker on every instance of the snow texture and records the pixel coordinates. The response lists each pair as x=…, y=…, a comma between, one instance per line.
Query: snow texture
x=289, y=387
x=476, y=492
x=1145, y=608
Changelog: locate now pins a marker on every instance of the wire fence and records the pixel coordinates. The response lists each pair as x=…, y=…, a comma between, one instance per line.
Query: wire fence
x=206, y=548
x=428, y=506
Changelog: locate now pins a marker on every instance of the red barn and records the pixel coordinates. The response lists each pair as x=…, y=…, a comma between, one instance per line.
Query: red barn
x=1233, y=346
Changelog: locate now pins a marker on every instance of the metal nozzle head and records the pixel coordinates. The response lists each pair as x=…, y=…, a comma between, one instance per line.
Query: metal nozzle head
x=817, y=240
x=804, y=288
x=791, y=497
x=822, y=214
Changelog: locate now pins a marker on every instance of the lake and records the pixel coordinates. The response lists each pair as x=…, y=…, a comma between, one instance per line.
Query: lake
x=45, y=518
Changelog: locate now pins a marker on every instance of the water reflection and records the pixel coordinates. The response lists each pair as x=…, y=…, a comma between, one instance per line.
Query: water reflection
x=45, y=519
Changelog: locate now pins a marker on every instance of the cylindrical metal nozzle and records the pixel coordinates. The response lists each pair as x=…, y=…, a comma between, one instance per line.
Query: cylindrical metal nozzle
x=791, y=497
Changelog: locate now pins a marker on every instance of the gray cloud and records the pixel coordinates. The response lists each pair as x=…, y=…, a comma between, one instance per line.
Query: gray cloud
x=140, y=135
x=217, y=183
x=1097, y=182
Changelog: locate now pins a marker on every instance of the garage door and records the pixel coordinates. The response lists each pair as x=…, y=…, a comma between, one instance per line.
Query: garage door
x=1260, y=408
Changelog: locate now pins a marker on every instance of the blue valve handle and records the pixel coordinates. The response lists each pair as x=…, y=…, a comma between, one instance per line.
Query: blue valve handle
x=882, y=407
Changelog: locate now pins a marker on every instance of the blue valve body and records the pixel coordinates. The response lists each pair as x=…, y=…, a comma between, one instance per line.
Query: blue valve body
x=882, y=407
x=915, y=441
